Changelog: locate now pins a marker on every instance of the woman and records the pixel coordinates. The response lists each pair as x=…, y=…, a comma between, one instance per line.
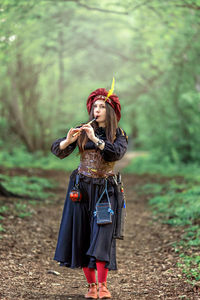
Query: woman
x=82, y=243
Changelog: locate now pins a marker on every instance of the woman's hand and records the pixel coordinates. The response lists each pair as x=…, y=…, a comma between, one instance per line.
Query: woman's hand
x=70, y=138
x=89, y=131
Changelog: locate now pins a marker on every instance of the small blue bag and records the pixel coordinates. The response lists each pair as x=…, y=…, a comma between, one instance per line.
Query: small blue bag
x=103, y=210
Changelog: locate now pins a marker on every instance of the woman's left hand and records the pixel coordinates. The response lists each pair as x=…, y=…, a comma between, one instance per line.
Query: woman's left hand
x=89, y=131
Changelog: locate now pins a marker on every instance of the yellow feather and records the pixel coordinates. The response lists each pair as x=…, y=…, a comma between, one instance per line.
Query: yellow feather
x=110, y=92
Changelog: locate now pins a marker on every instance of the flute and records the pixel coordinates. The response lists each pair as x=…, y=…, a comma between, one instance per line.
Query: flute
x=85, y=124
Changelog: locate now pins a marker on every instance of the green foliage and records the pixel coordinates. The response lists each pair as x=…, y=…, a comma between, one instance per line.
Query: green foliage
x=22, y=185
x=154, y=164
x=190, y=266
x=1, y=228
x=54, y=53
x=191, y=237
x=20, y=157
x=175, y=203
x=30, y=186
x=173, y=131
x=183, y=210
x=179, y=204
x=3, y=209
x=151, y=188
x=22, y=210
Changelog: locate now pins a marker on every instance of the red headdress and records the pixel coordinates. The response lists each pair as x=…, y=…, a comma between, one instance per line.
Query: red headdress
x=101, y=94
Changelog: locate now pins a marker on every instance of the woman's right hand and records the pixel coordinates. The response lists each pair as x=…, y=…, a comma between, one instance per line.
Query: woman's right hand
x=70, y=138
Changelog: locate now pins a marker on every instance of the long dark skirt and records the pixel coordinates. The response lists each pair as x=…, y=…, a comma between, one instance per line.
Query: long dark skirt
x=81, y=240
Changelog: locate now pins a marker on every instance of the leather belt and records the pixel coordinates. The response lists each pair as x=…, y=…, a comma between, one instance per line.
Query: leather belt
x=93, y=165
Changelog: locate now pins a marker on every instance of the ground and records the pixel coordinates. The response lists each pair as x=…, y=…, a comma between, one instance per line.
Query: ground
x=146, y=260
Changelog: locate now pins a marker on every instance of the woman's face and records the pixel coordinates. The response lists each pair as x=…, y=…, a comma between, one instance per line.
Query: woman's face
x=99, y=112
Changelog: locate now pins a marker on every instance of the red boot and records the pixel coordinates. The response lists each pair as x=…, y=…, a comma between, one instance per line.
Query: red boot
x=92, y=291
x=103, y=291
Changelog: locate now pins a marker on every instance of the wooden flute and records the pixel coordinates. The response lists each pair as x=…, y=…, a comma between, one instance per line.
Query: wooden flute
x=84, y=124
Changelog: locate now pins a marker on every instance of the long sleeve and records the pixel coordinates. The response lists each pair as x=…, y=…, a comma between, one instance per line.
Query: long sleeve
x=115, y=151
x=62, y=153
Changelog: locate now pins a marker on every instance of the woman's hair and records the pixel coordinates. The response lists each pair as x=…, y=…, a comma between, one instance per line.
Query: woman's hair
x=111, y=126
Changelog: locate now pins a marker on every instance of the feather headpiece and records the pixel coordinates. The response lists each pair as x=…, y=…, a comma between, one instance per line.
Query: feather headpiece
x=108, y=96
x=110, y=92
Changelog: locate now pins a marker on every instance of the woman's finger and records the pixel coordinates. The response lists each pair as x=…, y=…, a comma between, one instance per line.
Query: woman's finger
x=74, y=131
x=87, y=125
x=69, y=131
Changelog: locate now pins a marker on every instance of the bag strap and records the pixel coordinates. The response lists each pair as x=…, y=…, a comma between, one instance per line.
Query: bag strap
x=77, y=180
x=119, y=178
x=105, y=191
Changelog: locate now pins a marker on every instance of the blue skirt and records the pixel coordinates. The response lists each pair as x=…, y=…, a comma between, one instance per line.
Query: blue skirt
x=81, y=240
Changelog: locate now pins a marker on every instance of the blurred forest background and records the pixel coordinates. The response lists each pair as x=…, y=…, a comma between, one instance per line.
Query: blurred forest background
x=54, y=53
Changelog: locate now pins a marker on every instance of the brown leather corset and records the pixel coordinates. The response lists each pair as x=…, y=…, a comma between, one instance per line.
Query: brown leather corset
x=93, y=165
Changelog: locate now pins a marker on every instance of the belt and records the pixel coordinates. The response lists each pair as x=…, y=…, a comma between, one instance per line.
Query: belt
x=93, y=165
x=90, y=172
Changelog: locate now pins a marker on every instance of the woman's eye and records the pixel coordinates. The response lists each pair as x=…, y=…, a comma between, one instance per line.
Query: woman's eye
x=101, y=106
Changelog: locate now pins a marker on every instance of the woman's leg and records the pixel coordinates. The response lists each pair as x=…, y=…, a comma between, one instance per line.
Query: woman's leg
x=102, y=271
x=90, y=275
x=92, y=286
x=102, y=278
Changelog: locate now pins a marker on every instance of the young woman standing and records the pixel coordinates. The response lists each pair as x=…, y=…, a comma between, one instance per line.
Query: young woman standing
x=82, y=242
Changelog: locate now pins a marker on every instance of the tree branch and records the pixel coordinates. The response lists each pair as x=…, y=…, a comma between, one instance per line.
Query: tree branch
x=101, y=9
x=192, y=6
x=139, y=5
x=111, y=50
x=93, y=8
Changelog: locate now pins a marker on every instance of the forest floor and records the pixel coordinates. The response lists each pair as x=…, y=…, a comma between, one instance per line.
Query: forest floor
x=146, y=260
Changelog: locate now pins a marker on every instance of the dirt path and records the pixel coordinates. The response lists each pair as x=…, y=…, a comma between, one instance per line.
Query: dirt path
x=146, y=263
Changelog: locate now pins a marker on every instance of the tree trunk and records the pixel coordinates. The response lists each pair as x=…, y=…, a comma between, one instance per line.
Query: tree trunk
x=61, y=66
